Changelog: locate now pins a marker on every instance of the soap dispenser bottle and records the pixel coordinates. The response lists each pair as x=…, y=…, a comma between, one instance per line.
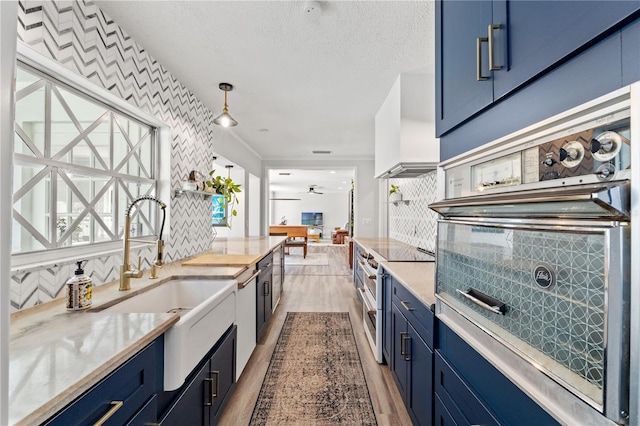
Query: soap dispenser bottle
x=79, y=289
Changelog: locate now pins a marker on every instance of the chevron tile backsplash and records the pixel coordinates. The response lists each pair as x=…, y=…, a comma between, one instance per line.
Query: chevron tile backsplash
x=413, y=222
x=78, y=35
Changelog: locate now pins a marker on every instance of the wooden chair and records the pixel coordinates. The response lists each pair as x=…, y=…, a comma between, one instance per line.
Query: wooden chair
x=296, y=236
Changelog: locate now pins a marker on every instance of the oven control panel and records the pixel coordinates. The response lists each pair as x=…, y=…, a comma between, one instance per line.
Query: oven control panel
x=598, y=149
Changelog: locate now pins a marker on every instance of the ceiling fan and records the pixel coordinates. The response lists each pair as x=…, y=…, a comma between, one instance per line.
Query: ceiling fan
x=312, y=190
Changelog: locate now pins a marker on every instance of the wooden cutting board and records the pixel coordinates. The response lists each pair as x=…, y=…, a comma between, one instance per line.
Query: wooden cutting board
x=211, y=259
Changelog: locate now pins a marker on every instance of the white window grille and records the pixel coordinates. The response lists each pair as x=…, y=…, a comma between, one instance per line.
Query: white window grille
x=78, y=164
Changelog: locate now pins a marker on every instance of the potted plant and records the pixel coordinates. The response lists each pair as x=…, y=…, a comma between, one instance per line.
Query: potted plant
x=227, y=188
x=394, y=194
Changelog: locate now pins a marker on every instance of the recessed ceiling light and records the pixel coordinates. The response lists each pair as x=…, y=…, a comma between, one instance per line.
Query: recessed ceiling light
x=333, y=172
x=339, y=187
x=263, y=130
x=316, y=151
x=344, y=181
x=284, y=173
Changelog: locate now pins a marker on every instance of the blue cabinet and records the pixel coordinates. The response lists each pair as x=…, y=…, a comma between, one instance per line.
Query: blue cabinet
x=387, y=331
x=411, y=357
x=470, y=390
x=459, y=94
x=126, y=394
x=201, y=399
x=523, y=39
x=264, y=287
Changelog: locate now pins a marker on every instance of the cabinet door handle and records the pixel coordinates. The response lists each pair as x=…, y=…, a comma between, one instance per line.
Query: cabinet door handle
x=402, y=348
x=479, y=42
x=406, y=305
x=115, y=406
x=266, y=288
x=217, y=375
x=210, y=403
x=492, y=65
x=405, y=339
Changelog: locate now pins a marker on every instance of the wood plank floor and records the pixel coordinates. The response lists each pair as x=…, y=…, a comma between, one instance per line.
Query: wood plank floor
x=317, y=289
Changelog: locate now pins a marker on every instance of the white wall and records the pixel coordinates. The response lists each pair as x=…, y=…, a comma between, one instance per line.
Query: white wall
x=253, y=206
x=365, y=195
x=334, y=209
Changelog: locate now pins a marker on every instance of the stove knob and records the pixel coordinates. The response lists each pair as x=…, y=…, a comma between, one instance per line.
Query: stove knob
x=570, y=153
x=549, y=162
x=604, y=145
x=605, y=171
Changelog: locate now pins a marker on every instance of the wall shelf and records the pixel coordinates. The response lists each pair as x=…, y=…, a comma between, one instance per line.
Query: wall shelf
x=180, y=192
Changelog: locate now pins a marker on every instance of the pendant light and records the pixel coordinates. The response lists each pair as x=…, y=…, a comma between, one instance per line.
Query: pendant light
x=224, y=119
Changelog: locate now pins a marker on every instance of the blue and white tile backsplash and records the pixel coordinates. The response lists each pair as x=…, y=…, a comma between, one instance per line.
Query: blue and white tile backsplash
x=413, y=222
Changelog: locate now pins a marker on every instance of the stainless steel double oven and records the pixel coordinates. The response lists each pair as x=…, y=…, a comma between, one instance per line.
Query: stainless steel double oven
x=366, y=268
x=534, y=247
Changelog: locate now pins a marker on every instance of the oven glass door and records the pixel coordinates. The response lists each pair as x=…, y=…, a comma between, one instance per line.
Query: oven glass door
x=549, y=293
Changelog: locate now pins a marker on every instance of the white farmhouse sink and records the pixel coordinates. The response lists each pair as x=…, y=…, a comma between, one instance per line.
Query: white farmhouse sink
x=207, y=309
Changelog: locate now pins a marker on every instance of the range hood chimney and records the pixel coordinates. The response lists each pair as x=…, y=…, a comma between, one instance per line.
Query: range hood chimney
x=405, y=142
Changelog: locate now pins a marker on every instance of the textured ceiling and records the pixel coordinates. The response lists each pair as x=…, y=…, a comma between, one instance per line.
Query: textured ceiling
x=302, y=81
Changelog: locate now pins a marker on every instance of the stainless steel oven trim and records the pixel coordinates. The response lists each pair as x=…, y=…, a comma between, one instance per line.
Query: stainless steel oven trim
x=573, y=226
x=368, y=272
x=366, y=298
x=509, y=346
x=551, y=395
x=615, y=403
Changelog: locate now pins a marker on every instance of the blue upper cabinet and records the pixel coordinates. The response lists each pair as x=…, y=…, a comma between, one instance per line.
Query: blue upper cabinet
x=460, y=91
x=486, y=50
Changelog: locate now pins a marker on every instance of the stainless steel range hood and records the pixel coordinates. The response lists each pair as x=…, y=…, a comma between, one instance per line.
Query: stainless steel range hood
x=610, y=201
x=409, y=170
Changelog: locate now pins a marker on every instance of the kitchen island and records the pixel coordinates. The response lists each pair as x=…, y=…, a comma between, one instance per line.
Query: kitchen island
x=56, y=356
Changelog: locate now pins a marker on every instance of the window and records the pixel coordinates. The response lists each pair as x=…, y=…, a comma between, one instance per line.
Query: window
x=78, y=164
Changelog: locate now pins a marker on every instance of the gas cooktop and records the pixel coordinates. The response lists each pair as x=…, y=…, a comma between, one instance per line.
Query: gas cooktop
x=400, y=254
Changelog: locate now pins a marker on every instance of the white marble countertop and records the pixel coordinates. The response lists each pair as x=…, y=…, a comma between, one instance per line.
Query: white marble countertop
x=57, y=355
x=418, y=277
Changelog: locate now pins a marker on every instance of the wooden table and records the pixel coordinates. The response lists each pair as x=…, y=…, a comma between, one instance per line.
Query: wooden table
x=314, y=237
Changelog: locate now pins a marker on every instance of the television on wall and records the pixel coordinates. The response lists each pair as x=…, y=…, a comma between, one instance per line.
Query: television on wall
x=310, y=218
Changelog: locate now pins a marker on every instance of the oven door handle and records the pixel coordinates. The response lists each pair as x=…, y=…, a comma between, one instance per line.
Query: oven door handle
x=367, y=303
x=368, y=273
x=484, y=301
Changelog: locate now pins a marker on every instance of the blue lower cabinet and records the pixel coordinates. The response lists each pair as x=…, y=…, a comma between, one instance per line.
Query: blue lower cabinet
x=441, y=416
x=459, y=405
x=412, y=368
x=475, y=392
x=147, y=415
x=419, y=400
x=201, y=400
x=121, y=396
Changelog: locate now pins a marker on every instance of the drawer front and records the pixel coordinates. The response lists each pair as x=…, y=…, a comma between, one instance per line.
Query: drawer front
x=147, y=415
x=461, y=403
x=441, y=416
x=266, y=262
x=416, y=312
x=132, y=384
